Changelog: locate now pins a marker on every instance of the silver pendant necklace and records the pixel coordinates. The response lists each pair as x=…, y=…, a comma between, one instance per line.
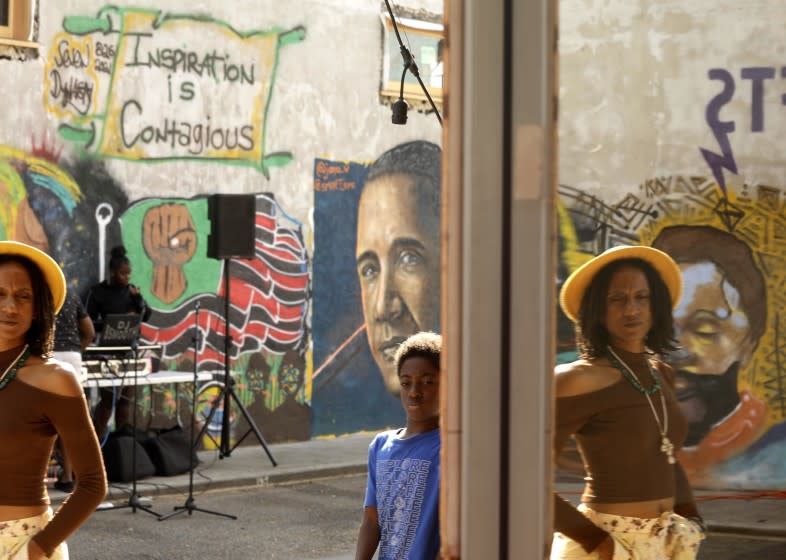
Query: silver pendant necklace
x=666, y=446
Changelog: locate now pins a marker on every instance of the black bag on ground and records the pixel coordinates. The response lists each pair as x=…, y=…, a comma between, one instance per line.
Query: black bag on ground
x=170, y=450
x=118, y=452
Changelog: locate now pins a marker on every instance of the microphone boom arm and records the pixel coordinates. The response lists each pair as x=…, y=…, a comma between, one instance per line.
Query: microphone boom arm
x=409, y=64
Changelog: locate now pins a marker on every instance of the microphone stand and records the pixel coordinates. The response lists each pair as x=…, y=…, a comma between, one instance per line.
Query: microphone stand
x=134, y=500
x=190, y=505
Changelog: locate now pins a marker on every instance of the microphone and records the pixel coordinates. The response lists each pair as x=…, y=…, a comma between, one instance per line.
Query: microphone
x=399, y=108
x=399, y=112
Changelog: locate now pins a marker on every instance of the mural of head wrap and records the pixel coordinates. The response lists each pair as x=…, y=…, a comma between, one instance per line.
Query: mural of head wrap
x=719, y=320
x=48, y=207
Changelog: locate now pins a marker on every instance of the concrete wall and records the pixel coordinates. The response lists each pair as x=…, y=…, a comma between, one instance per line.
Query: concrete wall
x=671, y=121
x=131, y=114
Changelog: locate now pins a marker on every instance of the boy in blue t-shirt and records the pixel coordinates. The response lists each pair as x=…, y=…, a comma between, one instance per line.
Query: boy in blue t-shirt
x=401, y=513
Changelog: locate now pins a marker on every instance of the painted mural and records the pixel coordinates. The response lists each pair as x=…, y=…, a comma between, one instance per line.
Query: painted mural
x=694, y=167
x=76, y=212
x=268, y=305
x=376, y=280
x=69, y=211
x=144, y=85
x=730, y=244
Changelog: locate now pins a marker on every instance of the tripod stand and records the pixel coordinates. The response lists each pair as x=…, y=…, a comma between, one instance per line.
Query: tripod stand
x=134, y=500
x=189, y=505
x=228, y=392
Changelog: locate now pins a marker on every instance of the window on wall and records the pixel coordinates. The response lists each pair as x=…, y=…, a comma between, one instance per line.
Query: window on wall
x=425, y=39
x=16, y=21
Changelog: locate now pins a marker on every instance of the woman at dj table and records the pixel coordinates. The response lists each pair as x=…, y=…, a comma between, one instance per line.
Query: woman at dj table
x=114, y=296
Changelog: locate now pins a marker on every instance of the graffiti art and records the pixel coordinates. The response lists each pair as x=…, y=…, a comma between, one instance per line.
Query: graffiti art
x=376, y=280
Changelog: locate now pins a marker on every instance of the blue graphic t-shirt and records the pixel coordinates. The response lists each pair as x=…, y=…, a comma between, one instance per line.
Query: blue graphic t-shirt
x=403, y=484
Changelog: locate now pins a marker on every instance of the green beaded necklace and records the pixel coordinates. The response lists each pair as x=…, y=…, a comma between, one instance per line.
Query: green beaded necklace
x=16, y=365
x=617, y=363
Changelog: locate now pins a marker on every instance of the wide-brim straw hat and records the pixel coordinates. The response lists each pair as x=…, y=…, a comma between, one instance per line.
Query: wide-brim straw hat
x=51, y=271
x=577, y=283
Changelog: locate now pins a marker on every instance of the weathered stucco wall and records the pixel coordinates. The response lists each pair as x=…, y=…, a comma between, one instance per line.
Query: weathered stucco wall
x=671, y=116
x=131, y=114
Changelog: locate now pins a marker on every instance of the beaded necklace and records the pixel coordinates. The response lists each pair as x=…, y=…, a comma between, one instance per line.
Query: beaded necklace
x=617, y=362
x=666, y=447
x=13, y=367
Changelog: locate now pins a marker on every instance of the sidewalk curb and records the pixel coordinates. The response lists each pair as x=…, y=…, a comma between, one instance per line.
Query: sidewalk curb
x=121, y=491
x=305, y=475
x=746, y=530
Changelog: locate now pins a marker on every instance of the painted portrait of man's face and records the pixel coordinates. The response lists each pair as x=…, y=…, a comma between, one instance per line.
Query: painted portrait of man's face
x=397, y=257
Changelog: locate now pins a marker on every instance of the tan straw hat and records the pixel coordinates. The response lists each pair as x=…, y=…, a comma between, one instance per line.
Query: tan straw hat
x=46, y=264
x=577, y=283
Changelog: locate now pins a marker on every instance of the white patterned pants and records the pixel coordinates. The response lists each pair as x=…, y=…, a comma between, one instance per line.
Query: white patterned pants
x=668, y=537
x=16, y=534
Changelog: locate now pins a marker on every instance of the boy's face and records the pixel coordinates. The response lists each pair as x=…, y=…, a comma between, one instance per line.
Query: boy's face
x=419, y=381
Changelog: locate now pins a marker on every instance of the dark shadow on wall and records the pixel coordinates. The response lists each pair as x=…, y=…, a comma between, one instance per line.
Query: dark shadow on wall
x=75, y=241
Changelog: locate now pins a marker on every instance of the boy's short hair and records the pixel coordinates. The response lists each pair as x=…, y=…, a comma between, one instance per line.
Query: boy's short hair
x=423, y=345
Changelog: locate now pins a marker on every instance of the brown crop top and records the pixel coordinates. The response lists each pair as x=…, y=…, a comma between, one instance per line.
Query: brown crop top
x=619, y=442
x=30, y=420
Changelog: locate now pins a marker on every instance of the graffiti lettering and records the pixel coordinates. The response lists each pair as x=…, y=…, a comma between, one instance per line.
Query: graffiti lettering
x=196, y=138
x=720, y=129
x=334, y=185
x=69, y=56
x=104, y=51
x=757, y=75
x=326, y=169
x=187, y=91
x=71, y=92
x=337, y=176
x=208, y=64
x=170, y=86
x=103, y=67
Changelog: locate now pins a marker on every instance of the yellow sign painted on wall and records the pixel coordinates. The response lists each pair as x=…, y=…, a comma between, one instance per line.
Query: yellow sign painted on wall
x=171, y=87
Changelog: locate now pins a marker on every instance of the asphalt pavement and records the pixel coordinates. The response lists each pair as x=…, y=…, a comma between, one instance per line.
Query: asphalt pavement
x=760, y=514
x=313, y=520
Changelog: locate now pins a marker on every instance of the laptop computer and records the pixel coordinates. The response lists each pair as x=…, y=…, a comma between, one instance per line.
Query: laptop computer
x=120, y=329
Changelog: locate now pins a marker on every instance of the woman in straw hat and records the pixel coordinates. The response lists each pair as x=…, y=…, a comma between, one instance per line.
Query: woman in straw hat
x=618, y=402
x=40, y=399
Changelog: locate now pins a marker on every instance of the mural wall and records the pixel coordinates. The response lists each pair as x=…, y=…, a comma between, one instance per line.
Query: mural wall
x=677, y=147
x=131, y=116
x=148, y=85
x=376, y=280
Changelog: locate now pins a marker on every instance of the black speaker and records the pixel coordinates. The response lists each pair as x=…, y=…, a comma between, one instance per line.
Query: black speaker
x=232, y=226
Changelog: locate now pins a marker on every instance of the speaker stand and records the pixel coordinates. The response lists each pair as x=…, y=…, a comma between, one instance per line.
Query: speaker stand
x=228, y=394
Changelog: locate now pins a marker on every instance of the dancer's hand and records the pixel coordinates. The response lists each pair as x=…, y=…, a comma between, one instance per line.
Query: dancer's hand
x=605, y=549
x=34, y=551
